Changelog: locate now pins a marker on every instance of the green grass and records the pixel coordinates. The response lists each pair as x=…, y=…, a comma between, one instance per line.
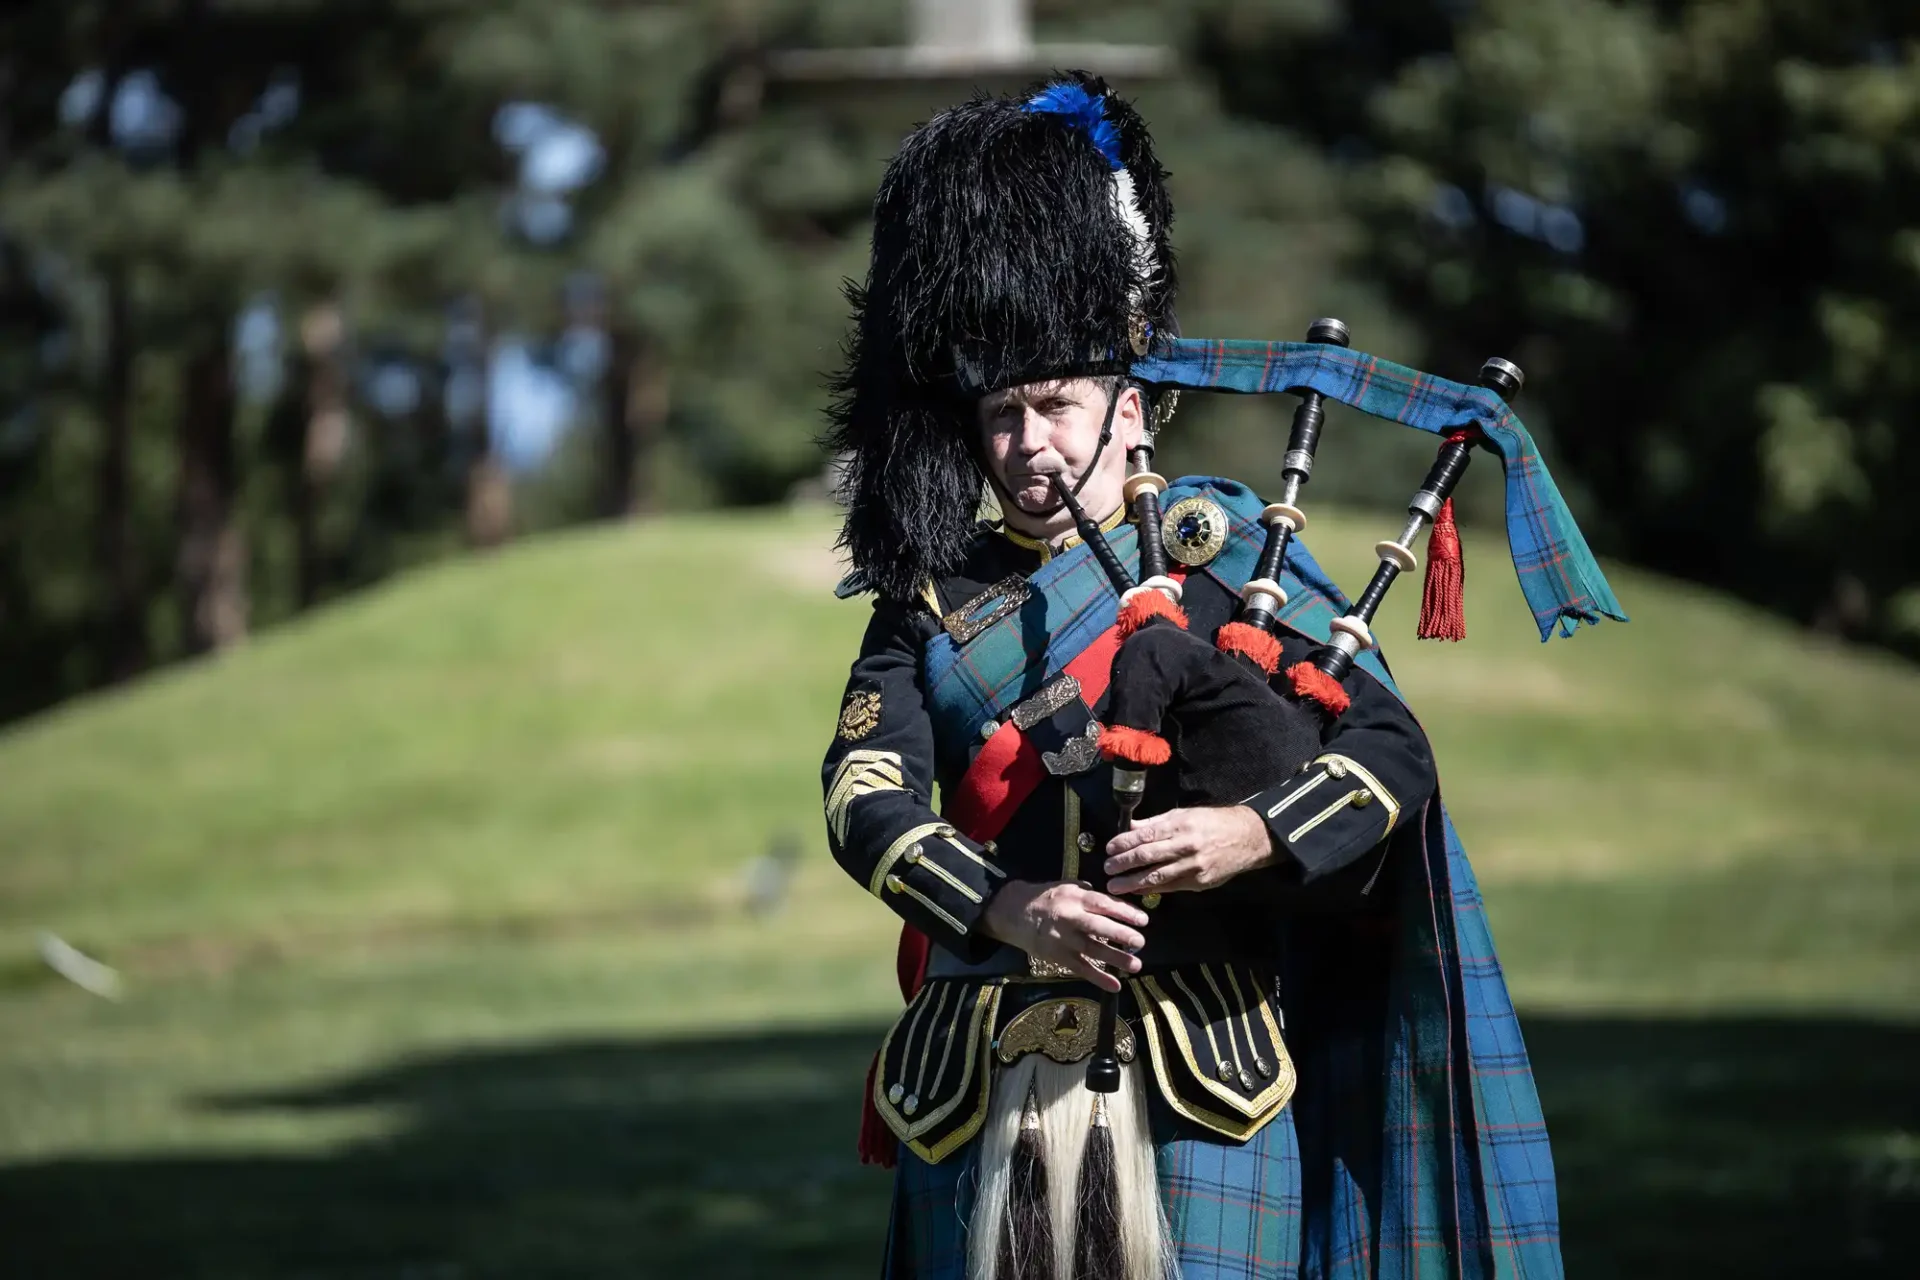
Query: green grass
x=430, y=913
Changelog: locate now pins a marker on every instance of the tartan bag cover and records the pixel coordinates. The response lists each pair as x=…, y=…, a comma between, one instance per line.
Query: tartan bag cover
x=1464, y=1185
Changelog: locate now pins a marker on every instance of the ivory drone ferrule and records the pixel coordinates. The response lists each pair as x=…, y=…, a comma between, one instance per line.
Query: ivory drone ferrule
x=1264, y=594
x=1350, y=635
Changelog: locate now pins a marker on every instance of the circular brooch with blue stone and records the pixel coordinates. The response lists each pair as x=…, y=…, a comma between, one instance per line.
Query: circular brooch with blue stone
x=1194, y=530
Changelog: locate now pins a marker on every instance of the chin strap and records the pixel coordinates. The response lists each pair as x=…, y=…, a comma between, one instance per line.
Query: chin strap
x=1106, y=434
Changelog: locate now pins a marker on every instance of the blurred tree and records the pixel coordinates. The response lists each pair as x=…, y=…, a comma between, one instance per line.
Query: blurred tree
x=347, y=168
x=125, y=170
x=1692, y=223
x=712, y=232
x=611, y=91
x=261, y=249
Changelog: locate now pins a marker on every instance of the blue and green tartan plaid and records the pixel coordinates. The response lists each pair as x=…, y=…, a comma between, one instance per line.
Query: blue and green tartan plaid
x=1563, y=584
x=1426, y=1151
x=1071, y=605
x=1234, y=1210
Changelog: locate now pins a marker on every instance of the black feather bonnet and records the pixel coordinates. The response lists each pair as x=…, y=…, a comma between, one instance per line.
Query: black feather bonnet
x=1014, y=240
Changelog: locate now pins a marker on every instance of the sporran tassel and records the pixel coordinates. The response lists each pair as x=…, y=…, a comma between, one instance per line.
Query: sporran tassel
x=1026, y=1240
x=1443, y=605
x=1099, y=1252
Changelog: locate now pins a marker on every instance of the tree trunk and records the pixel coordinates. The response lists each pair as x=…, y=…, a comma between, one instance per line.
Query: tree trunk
x=638, y=396
x=213, y=549
x=123, y=634
x=489, y=488
x=489, y=502
x=323, y=347
x=617, y=462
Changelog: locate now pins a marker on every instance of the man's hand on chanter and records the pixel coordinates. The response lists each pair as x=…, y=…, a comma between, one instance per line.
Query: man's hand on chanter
x=1184, y=850
x=1071, y=925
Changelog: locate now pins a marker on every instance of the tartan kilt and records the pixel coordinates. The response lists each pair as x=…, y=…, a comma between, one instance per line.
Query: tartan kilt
x=1234, y=1209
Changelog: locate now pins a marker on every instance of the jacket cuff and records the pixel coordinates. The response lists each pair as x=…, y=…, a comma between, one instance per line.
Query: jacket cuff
x=939, y=882
x=1327, y=815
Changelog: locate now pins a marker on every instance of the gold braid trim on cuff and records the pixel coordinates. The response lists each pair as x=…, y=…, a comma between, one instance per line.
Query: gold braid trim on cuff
x=1365, y=775
x=912, y=836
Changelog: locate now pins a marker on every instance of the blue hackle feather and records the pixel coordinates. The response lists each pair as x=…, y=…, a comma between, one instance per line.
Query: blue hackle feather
x=1084, y=111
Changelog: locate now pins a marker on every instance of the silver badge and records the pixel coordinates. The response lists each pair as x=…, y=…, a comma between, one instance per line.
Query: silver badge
x=1077, y=754
x=1044, y=703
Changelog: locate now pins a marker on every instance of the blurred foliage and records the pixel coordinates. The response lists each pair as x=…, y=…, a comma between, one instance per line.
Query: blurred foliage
x=373, y=210
x=1692, y=223
x=1685, y=220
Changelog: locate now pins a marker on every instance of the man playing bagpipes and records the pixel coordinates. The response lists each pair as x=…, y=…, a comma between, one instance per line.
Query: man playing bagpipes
x=1198, y=982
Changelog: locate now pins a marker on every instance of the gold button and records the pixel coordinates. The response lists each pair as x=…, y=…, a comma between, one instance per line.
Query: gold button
x=989, y=848
x=912, y=1104
x=911, y=856
x=1336, y=769
x=1362, y=798
x=1151, y=901
x=896, y=1093
x=1086, y=842
x=895, y=883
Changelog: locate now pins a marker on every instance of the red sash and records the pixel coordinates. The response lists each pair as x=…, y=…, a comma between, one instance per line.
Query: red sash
x=996, y=784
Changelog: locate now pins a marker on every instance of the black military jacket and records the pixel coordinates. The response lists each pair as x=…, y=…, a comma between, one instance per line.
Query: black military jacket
x=1206, y=1016
x=1374, y=772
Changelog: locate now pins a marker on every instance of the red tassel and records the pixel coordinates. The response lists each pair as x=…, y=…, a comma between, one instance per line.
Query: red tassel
x=1256, y=646
x=1443, y=605
x=877, y=1143
x=1144, y=608
x=1312, y=683
x=1136, y=747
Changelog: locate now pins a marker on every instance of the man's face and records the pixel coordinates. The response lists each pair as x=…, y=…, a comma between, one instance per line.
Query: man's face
x=1044, y=429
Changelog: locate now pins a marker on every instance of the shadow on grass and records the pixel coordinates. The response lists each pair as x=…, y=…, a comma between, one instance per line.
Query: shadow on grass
x=1753, y=1147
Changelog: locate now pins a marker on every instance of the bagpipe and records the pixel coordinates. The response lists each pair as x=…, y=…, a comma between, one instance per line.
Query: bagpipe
x=1211, y=708
x=1219, y=719
x=1219, y=714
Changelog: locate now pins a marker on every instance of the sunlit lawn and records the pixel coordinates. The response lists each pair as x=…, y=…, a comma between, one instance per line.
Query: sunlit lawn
x=431, y=916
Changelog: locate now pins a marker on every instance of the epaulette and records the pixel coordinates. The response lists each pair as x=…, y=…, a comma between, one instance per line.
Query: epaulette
x=855, y=583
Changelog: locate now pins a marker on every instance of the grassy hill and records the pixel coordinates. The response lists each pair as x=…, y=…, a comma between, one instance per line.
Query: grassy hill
x=438, y=962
